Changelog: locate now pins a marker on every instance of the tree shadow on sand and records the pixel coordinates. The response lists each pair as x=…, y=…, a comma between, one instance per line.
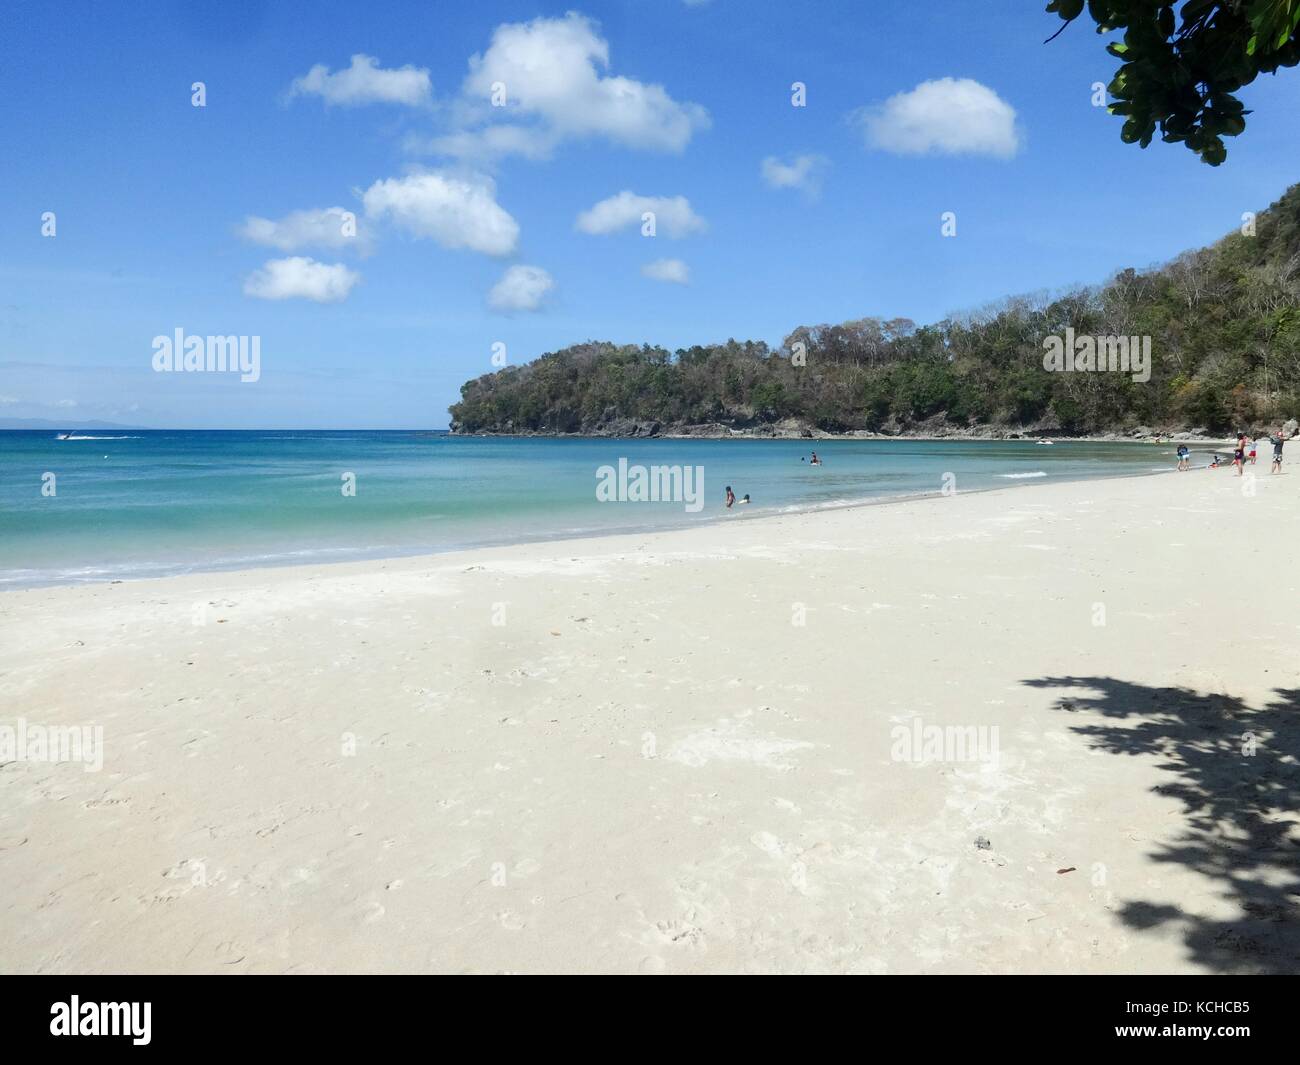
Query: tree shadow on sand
x=1240, y=809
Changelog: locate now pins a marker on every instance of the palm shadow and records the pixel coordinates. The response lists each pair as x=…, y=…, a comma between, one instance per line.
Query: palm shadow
x=1238, y=808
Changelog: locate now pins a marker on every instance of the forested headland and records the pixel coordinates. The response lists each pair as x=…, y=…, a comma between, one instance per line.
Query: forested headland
x=1224, y=323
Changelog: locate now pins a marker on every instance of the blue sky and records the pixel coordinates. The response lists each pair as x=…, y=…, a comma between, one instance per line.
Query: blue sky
x=152, y=196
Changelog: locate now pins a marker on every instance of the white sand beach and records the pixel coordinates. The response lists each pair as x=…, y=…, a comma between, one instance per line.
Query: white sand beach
x=676, y=752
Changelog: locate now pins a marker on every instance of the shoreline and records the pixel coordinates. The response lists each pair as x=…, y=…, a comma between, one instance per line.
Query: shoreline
x=361, y=556
x=861, y=435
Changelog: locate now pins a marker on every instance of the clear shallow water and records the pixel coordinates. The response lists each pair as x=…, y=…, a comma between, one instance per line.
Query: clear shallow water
x=145, y=503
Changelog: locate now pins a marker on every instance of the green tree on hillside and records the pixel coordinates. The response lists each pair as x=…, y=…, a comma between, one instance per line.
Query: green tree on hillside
x=1223, y=322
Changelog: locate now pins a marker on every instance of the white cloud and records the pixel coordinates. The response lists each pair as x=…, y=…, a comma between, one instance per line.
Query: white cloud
x=952, y=116
x=521, y=288
x=65, y=403
x=5, y=400
x=553, y=72
x=673, y=271
x=457, y=211
x=364, y=82
x=802, y=172
x=488, y=143
x=328, y=227
x=300, y=278
x=672, y=215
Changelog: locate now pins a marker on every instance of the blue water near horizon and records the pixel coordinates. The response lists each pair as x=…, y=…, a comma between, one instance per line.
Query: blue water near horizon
x=144, y=503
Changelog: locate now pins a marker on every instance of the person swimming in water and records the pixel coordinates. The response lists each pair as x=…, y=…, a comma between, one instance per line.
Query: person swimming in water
x=815, y=461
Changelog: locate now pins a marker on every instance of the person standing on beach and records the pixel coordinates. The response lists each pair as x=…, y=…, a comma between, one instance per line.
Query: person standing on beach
x=731, y=497
x=1277, y=440
x=1239, y=455
x=1251, y=452
x=1184, y=457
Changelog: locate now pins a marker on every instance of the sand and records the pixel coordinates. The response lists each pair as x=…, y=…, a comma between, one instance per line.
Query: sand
x=686, y=751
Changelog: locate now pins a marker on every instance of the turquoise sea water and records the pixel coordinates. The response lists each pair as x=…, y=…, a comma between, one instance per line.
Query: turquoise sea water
x=143, y=503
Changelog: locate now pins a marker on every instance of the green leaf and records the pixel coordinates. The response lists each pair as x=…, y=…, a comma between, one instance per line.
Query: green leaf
x=1069, y=10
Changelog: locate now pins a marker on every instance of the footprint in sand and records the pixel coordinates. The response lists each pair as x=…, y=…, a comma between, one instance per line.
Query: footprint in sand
x=95, y=804
x=680, y=932
x=189, y=874
x=192, y=747
x=229, y=953
x=195, y=870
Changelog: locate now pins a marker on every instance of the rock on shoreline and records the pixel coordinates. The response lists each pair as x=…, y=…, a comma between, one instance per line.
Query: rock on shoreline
x=792, y=429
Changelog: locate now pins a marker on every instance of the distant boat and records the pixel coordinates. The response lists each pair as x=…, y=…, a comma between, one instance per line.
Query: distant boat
x=1049, y=443
x=64, y=436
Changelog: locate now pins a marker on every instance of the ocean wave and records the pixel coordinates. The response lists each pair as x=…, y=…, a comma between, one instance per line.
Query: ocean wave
x=79, y=437
x=1018, y=476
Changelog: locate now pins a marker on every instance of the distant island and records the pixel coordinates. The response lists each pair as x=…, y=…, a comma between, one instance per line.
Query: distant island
x=1223, y=324
x=67, y=427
